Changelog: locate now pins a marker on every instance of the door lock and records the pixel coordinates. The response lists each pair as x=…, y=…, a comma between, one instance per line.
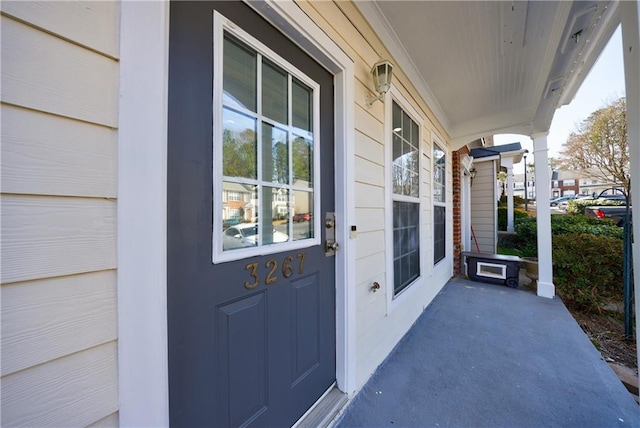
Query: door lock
x=330, y=244
x=330, y=247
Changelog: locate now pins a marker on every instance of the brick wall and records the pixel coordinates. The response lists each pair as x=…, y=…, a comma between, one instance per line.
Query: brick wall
x=457, y=208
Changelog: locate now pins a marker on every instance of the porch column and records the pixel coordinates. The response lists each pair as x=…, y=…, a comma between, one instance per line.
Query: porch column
x=543, y=216
x=508, y=163
x=630, y=16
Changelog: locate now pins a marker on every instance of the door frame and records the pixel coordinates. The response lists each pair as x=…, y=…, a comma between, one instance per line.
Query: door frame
x=142, y=200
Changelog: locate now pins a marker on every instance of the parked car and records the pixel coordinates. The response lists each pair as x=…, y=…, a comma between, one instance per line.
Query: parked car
x=615, y=213
x=555, y=202
x=246, y=235
x=302, y=217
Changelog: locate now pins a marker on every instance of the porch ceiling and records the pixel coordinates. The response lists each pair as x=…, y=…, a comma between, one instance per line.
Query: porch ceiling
x=489, y=67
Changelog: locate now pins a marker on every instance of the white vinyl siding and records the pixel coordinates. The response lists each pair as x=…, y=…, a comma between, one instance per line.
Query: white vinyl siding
x=380, y=320
x=483, y=207
x=59, y=107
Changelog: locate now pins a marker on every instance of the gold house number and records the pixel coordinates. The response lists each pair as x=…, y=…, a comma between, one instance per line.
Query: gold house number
x=271, y=266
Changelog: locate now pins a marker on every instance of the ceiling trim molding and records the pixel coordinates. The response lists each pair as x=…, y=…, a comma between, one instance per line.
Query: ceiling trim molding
x=462, y=140
x=377, y=20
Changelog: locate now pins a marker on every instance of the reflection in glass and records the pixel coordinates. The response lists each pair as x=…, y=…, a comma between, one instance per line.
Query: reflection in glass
x=302, y=162
x=239, y=145
x=239, y=216
x=405, y=166
x=239, y=74
x=274, y=93
x=275, y=154
x=275, y=215
x=439, y=233
x=397, y=120
x=302, y=106
x=302, y=215
x=439, y=165
x=406, y=244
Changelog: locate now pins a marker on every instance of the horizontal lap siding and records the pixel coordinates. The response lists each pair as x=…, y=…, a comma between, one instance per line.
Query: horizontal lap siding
x=483, y=207
x=77, y=390
x=59, y=109
x=47, y=319
x=378, y=326
x=45, y=73
x=44, y=236
x=51, y=155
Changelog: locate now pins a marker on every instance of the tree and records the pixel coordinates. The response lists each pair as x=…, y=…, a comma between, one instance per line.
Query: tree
x=600, y=145
x=502, y=178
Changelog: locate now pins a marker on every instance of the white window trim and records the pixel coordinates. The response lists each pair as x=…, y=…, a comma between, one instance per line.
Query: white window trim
x=395, y=301
x=142, y=221
x=221, y=25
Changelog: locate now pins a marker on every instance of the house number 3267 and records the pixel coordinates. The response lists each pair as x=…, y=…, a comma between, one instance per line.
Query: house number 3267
x=288, y=268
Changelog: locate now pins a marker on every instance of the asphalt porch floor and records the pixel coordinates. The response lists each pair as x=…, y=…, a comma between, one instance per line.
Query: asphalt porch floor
x=484, y=355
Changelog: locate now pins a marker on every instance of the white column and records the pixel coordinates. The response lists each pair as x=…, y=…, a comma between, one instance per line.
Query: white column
x=508, y=163
x=630, y=15
x=543, y=216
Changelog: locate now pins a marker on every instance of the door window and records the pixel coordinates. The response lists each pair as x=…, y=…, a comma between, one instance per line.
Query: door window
x=265, y=163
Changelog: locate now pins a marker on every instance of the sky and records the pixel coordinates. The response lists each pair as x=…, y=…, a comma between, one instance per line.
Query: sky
x=604, y=83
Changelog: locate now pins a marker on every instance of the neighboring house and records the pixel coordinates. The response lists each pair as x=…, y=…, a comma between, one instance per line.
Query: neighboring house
x=133, y=132
x=564, y=183
x=585, y=182
x=486, y=191
x=519, y=186
x=590, y=182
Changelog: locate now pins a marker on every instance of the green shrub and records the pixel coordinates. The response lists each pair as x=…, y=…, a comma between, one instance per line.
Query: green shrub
x=578, y=206
x=502, y=216
x=526, y=239
x=573, y=224
x=587, y=269
x=517, y=201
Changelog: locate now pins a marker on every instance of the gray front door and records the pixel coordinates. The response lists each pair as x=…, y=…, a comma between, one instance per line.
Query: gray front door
x=251, y=292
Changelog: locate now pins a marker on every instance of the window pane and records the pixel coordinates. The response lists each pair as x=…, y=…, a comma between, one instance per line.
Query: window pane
x=302, y=215
x=302, y=106
x=439, y=233
x=406, y=245
x=274, y=93
x=239, y=75
x=275, y=215
x=302, y=162
x=239, y=145
x=397, y=120
x=439, y=176
x=275, y=154
x=414, y=135
x=405, y=155
x=239, y=220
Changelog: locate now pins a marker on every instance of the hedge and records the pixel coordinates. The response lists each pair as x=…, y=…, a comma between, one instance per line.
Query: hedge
x=502, y=216
x=587, y=257
x=587, y=269
x=578, y=206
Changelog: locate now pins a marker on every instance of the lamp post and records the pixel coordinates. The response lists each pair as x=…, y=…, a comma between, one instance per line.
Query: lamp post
x=526, y=193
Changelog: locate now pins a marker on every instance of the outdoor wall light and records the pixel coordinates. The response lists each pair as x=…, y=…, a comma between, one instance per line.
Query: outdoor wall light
x=382, y=73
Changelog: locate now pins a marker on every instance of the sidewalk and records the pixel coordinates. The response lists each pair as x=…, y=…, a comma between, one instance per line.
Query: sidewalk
x=486, y=355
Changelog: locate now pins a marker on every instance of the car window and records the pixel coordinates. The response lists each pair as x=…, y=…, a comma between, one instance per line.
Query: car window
x=250, y=231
